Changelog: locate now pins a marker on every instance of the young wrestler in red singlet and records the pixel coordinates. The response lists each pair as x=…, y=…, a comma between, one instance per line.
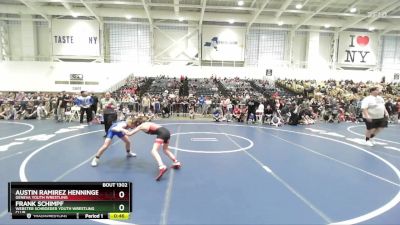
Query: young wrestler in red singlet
x=163, y=136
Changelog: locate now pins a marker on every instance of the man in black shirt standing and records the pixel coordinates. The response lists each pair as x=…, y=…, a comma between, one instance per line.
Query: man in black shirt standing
x=62, y=101
x=94, y=105
x=251, y=107
x=391, y=109
x=108, y=106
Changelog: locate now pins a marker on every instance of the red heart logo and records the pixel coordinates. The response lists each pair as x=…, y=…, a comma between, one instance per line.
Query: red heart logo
x=362, y=40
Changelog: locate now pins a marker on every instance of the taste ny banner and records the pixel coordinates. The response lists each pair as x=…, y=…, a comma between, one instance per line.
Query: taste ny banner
x=357, y=49
x=223, y=43
x=75, y=37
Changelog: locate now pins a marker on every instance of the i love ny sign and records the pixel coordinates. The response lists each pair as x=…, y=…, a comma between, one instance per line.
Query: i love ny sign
x=357, y=48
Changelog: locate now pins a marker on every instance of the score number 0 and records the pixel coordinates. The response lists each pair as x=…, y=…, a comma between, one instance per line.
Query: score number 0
x=121, y=194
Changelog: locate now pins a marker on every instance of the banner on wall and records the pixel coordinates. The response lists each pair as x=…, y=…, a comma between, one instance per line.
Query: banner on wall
x=357, y=49
x=75, y=76
x=223, y=43
x=75, y=37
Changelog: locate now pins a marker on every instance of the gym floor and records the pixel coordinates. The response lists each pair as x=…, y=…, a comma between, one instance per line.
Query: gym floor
x=231, y=173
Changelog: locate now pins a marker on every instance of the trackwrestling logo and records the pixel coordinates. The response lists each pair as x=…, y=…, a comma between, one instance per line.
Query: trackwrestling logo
x=215, y=42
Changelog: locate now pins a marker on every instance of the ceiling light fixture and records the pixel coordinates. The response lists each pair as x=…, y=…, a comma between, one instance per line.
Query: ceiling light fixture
x=353, y=10
x=371, y=28
x=280, y=23
x=180, y=19
x=327, y=25
x=299, y=6
x=240, y=3
x=128, y=17
x=231, y=21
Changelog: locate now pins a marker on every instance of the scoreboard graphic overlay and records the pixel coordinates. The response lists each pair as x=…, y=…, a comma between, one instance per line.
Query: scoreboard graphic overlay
x=70, y=200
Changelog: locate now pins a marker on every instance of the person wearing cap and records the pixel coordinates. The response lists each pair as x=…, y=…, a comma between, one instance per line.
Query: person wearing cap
x=374, y=113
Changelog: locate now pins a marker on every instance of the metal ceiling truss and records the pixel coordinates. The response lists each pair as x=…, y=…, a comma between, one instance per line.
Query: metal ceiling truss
x=334, y=13
x=255, y=16
x=358, y=20
x=147, y=10
x=90, y=9
x=203, y=9
x=35, y=9
x=308, y=17
x=188, y=35
x=283, y=8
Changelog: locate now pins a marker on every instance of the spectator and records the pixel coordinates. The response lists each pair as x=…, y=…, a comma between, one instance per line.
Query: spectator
x=41, y=111
x=391, y=109
x=108, y=106
x=374, y=114
x=202, y=103
x=85, y=102
x=260, y=112
x=95, y=103
x=62, y=101
x=146, y=104
x=30, y=112
x=217, y=114
x=251, y=106
x=8, y=112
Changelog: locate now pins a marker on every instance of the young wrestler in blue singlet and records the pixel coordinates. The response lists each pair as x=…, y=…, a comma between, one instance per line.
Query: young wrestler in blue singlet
x=120, y=130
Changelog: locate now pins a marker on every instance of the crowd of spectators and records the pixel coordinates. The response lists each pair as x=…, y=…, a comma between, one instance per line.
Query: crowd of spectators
x=132, y=85
x=21, y=105
x=281, y=102
x=334, y=100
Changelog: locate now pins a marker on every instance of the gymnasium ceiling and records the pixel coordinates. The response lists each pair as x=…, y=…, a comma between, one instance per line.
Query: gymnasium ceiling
x=379, y=15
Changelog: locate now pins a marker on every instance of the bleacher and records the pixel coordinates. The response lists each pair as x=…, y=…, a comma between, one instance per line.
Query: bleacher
x=205, y=87
x=162, y=84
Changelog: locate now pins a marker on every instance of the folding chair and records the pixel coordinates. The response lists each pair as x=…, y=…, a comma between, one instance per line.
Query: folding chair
x=75, y=113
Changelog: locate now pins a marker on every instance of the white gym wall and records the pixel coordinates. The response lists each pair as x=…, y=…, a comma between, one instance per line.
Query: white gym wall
x=43, y=41
x=14, y=38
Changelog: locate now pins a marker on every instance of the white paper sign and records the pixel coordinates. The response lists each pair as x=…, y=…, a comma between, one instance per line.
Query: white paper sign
x=75, y=37
x=357, y=48
x=225, y=44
